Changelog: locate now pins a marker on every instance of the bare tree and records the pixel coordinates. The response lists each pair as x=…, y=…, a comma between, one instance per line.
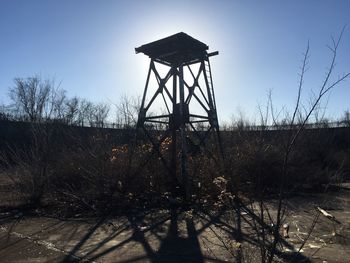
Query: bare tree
x=346, y=118
x=127, y=111
x=266, y=222
x=57, y=100
x=71, y=110
x=84, y=108
x=4, y=114
x=30, y=97
x=326, y=86
x=99, y=114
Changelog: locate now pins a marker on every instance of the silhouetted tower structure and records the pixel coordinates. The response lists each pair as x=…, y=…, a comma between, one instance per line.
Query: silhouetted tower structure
x=186, y=98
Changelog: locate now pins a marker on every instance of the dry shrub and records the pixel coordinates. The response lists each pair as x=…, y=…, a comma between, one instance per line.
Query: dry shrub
x=254, y=160
x=254, y=163
x=98, y=169
x=29, y=166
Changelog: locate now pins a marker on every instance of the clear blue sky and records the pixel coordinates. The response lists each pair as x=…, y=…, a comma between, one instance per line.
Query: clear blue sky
x=89, y=46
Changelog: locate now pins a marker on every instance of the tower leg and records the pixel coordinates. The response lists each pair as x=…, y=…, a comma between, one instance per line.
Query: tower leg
x=184, y=175
x=173, y=136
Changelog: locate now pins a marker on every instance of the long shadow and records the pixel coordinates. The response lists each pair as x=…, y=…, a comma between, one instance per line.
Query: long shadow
x=172, y=248
x=240, y=236
x=71, y=256
x=137, y=236
x=175, y=248
x=178, y=244
x=290, y=257
x=219, y=223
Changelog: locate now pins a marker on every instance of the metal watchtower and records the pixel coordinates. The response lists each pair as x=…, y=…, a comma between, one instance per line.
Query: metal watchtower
x=181, y=104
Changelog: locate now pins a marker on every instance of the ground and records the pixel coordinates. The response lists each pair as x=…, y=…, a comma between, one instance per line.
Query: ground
x=177, y=235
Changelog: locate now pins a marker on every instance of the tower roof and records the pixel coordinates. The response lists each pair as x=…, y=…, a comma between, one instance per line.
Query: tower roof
x=175, y=49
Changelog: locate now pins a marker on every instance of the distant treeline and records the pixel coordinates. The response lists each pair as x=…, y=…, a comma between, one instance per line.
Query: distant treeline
x=35, y=100
x=38, y=101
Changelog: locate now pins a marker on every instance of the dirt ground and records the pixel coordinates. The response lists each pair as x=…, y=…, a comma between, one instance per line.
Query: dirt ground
x=175, y=235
